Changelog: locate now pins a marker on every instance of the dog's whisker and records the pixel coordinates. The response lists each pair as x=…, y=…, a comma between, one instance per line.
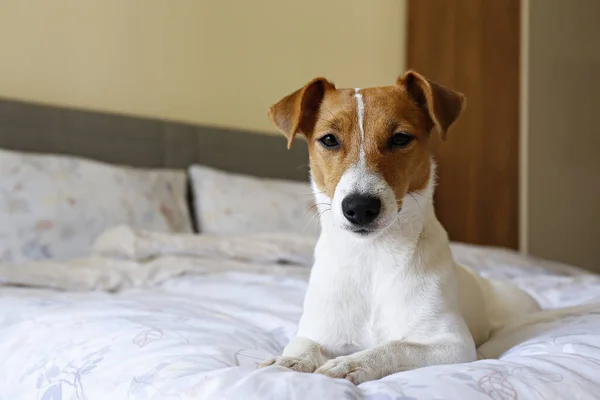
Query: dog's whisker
x=328, y=110
x=309, y=222
x=311, y=207
x=418, y=194
x=315, y=205
x=317, y=215
x=323, y=212
x=334, y=123
x=415, y=199
x=327, y=120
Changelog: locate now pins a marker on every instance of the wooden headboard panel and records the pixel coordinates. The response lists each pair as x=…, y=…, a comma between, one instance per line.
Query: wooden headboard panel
x=148, y=143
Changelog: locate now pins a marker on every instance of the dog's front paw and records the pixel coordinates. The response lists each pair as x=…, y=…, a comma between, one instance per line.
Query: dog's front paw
x=347, y=367
x=293, y=363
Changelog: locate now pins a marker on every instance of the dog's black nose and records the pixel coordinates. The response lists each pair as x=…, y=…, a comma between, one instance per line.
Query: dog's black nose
x=361, y=209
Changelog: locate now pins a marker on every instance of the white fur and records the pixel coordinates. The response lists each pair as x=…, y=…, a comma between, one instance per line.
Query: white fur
x=395, y=300
x=360, y=109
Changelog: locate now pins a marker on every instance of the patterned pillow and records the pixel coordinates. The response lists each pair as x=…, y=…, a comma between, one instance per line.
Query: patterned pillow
x=53, y=207
x=227, y=203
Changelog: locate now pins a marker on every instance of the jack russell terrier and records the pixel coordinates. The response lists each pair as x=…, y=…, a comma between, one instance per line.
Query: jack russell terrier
x=385, y=294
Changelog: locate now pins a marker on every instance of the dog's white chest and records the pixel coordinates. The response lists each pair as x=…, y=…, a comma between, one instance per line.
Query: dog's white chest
x=354, y=297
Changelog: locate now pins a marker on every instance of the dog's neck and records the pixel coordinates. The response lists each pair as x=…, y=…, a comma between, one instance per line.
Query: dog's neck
x=416, y=214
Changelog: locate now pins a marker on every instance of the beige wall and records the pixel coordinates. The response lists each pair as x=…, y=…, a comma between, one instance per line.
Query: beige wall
x=209, y=62
x=563, y=137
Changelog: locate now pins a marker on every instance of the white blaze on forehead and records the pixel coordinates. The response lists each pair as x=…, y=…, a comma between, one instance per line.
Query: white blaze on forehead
x=360, y=179
x=360, y=107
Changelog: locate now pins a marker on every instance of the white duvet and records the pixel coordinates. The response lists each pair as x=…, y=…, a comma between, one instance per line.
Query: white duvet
x=188, y=317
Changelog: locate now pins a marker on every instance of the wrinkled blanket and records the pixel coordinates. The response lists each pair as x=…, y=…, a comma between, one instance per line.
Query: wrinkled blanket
x=189, y=317
x=125, y=258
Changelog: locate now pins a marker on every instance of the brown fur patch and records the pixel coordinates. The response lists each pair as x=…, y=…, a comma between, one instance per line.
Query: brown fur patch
x=338, y=115
x=414, y=105
x=387, y=110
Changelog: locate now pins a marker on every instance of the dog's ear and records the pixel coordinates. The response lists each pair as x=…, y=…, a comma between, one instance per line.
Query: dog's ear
x=442, y=104
x=297, y=112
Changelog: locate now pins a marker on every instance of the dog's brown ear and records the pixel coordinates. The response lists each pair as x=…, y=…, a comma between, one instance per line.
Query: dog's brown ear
x=297, y=112
x=443, y=105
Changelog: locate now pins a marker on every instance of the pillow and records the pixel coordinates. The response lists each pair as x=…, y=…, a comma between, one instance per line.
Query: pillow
x=53, y=207
x=227, y=203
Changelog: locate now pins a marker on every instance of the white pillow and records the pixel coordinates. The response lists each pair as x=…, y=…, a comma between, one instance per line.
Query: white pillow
x=227, y=203
x=53, y=207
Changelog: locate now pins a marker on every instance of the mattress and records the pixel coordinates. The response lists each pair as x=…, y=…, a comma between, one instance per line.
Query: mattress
x=190, y=318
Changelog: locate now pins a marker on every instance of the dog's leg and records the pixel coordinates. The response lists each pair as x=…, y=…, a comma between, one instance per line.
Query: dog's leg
x=391, y=357
x=301, y=354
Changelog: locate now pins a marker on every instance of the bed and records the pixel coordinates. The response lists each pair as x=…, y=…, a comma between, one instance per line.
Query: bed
x=158, y=311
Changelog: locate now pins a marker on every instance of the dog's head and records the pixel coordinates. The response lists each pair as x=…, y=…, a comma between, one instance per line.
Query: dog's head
x=369, y=148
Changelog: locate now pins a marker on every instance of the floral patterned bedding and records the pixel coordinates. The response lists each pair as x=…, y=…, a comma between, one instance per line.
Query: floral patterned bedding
x=53, y=207
x=200, y=335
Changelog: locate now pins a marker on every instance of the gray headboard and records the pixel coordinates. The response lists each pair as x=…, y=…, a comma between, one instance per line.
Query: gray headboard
x=149, y=143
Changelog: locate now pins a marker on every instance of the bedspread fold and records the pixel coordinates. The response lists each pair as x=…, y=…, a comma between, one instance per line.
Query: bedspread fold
x=123, y=258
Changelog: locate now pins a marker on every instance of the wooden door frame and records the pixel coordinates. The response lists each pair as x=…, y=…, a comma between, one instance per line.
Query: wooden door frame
x=473, y=46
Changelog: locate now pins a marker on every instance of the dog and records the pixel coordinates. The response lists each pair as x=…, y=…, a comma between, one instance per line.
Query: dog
x=385, y=294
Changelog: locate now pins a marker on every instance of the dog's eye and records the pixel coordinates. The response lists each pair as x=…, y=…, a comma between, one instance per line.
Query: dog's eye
x=401, y=139
x=329, y=141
